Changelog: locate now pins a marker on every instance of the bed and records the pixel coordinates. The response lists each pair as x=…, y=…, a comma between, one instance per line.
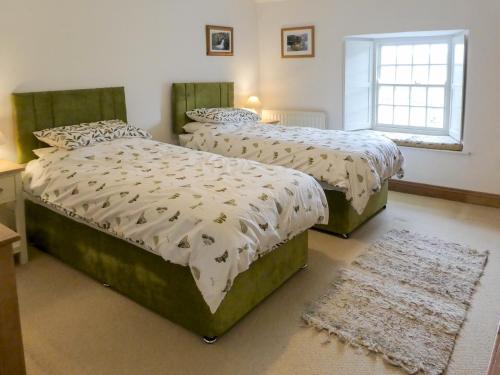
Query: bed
x=128, y=262
x=352, y=200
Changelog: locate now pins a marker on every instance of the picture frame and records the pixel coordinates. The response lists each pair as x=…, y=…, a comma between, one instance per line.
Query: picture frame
x=298, y=42
x=220, y=40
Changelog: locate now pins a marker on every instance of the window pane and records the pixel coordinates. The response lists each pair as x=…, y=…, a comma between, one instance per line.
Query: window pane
x=385, y=114
x=418, y=96
x=435, y=117
x=387, y=74
x=420, y=74
x=438, y=74
x=403, y=74
x=401, y=115
x=417, y=116
x=404, y=54
x=402, y=95
x=386, y=95
x=388, y=55
x=421, y=54
x=458, y=73
x=439, y=53
x=459, y=54
x=435, y=97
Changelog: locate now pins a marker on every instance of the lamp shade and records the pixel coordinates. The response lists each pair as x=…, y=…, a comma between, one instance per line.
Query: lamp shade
x=253, y=102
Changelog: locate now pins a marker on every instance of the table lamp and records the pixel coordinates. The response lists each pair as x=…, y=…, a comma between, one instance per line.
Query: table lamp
x=254, y=104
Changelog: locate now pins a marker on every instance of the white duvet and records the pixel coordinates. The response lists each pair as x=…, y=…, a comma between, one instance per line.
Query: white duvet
x=355, y=162
x=214, y=214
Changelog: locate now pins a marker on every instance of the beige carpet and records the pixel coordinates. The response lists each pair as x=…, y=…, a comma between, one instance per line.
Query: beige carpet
x=405, y=298
x=73, y=325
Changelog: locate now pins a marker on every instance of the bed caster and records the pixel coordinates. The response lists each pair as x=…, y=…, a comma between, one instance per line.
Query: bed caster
x=106, y=285
x=210, y=339
x=345, y=236
x=304, y=266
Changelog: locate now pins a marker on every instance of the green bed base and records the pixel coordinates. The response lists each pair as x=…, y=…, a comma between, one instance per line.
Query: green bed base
x=188, y=96
x=344, y=219
x=164, y=287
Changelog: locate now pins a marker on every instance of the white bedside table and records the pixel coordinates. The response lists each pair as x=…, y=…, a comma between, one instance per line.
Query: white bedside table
x=11, y=190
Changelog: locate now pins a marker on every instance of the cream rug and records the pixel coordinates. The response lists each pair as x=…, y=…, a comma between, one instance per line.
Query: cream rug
x=405, y=298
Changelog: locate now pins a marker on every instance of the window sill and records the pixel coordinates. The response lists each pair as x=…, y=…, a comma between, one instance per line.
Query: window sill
x=433, y=142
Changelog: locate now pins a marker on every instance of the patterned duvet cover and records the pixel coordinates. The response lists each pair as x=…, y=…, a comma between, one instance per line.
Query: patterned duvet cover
x=354, y=162
x=214, y=214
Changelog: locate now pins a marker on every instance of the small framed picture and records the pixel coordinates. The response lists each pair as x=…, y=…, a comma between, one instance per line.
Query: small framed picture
x=297, y=42
x=219, y=40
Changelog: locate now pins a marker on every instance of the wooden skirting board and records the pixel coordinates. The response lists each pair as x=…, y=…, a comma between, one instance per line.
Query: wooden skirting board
x=467, y=196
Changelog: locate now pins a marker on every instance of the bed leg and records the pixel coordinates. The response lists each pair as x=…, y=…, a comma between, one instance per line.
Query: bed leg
x=210, y=339
x=106, y=285
x=304, y=266
x=345, y=236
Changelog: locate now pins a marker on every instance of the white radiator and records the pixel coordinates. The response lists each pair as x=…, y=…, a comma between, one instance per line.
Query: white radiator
x=296, y=118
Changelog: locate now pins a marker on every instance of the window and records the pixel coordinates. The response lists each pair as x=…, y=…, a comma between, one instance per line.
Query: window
x=407, y=82
x=412, y=86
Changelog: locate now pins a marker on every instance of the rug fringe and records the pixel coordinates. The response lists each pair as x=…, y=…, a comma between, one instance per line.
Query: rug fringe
x=361, y=350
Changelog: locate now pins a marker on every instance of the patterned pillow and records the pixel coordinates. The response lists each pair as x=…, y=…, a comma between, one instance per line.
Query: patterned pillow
x=223, y=115
x=75, y=136
x=133, y=132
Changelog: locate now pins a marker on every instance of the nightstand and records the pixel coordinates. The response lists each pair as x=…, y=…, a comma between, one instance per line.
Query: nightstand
x=270, y=122
x=11, y=190
x=11, y=342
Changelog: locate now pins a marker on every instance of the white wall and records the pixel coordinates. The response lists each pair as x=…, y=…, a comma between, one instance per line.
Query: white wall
x=142, y=45
x=147, y=45
x=317, y=83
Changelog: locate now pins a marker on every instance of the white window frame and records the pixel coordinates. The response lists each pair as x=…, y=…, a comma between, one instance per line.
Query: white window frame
x=447, y=86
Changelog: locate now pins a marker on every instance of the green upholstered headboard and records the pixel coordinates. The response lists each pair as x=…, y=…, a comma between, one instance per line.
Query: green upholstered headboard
x=189, y=96
x=40, y=110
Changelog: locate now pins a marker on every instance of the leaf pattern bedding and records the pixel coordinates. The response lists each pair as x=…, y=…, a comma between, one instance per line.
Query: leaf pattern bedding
x=214, y=214
x=354, y=162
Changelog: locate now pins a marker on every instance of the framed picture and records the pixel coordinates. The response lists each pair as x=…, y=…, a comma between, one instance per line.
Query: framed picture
x=297, y=42
x=219, y=40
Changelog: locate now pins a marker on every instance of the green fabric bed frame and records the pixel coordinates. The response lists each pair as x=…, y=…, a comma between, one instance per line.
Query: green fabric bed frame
x=146, y=278
x=161, y=286
x=344, y=219
x=188, y=96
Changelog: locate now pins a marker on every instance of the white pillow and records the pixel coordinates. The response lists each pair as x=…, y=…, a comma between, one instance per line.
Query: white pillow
x=191, y=127
x=223, y=115
x=41, y=152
